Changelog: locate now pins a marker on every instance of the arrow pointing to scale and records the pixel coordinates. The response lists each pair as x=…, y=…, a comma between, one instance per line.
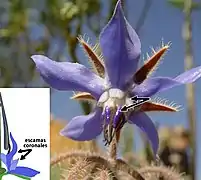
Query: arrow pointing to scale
x=137, y=101
x=26, y=154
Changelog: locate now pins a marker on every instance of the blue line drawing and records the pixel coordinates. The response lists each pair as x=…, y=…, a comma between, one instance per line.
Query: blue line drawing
x=11, y=164
x=7, y=159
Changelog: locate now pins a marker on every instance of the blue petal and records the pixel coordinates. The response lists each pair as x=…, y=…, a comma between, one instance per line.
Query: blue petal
x=13, y=164
x=147, y=126
x=4, y=158
x=24, y=171
x=121, y=49
x=12, y=153
x=84, y=128
x=152, y=86
x=189, y=76
x=69, y=76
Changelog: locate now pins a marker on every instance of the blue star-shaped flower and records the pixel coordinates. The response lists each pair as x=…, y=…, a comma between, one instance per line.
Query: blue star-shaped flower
x=121, y=49
x=11, y=164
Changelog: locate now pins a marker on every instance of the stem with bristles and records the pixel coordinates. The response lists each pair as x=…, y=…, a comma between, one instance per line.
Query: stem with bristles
x=113, y=149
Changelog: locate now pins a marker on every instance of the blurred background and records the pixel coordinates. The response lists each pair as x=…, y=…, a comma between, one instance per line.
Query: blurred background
x=50, y=27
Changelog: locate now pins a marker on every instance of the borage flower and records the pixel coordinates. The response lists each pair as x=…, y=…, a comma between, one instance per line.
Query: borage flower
x=11, y=164
x=121, y=49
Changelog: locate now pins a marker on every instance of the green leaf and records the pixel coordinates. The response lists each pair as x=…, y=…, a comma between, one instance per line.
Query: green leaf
x=2, y=170
x=69, y=10
x=22, y=177
x=5, y=32
x=1, y=175
x=180, y=4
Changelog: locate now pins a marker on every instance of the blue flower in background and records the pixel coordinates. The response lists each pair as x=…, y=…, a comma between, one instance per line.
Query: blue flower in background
x=11, y=164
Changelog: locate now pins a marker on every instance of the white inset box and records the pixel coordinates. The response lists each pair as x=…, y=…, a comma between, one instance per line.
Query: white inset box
x=27, y=113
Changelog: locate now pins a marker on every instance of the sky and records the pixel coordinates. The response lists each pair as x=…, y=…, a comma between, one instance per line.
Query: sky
x=164, y=22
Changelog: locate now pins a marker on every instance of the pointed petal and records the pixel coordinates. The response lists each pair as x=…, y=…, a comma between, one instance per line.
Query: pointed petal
x=3, y=158
x=13, y=151
x=84, y=128
x=83, y=96
x=121, y=48
x=25, y=171
x=97, y=64
x=189, y=76
x=13, y=164
x=152, y=86
x=149, y=66
x=147, y=126
x=152, y=106
x=68, y=76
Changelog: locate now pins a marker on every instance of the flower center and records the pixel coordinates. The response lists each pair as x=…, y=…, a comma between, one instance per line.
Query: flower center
x=113, y=119
x=113, y=98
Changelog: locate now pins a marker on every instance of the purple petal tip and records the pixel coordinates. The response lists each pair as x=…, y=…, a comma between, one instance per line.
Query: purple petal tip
x=118, y=8
x=37, y=58
x=61, y=133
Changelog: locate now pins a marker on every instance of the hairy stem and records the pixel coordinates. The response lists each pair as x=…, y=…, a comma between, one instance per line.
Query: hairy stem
x=98, y=161
x=123, y=166
x=113, y=149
